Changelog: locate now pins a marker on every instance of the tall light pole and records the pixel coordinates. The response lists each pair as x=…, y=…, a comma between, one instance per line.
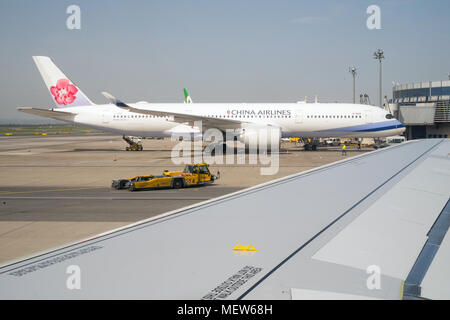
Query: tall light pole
x=379, y=54
x=352, y=70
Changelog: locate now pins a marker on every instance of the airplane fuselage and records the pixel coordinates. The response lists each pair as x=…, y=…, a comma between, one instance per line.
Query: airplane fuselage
x=294, y=119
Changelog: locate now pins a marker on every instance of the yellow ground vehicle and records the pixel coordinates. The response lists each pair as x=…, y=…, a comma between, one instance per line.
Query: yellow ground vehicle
x=346, y=141
x=192, y=175
x=134, y=143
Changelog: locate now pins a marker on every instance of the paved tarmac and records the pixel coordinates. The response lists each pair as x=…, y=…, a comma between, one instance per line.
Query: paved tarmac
x=56, y=190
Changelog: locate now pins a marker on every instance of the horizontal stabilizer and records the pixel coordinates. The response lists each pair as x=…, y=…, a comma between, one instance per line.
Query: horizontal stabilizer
x=49, y=113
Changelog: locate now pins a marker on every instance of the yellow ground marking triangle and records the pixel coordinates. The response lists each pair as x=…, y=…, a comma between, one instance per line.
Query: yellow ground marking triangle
x=247, y=248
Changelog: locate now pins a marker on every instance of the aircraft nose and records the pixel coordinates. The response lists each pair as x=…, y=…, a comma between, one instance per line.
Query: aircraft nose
x=400, y=127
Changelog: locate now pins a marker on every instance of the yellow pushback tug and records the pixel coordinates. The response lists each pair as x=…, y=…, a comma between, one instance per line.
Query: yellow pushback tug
x=192, y=175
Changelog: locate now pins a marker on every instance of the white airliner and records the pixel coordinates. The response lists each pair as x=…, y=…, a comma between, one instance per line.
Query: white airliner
x=142, y=119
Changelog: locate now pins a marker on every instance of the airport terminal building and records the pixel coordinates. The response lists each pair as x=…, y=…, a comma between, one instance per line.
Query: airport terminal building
x=424, y=108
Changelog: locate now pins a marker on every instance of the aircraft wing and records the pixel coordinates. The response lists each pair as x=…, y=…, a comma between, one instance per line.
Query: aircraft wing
x=368, y=227
x=223, y=123
x=183, y=118
x=49, y=113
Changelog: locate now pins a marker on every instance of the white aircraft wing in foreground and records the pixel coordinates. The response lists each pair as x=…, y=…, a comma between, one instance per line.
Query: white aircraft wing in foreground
x=369, y=227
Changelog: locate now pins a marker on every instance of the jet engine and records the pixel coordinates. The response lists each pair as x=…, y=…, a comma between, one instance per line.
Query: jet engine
x=262, y=137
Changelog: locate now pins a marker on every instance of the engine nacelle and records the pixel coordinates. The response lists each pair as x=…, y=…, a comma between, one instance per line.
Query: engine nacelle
x=260, y=137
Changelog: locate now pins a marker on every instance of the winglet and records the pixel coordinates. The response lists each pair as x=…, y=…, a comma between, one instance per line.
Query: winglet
x=114, y=100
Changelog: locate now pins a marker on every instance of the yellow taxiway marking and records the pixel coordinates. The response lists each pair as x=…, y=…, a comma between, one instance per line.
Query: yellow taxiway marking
x=49, y=190
x=247, y=248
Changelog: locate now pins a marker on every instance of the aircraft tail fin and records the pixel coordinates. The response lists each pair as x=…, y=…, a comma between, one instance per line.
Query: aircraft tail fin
x=63, y=91
x=187, y=97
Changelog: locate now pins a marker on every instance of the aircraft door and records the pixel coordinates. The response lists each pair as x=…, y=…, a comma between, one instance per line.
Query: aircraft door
x=298, y=116
x=106, y=117
x=369, y=116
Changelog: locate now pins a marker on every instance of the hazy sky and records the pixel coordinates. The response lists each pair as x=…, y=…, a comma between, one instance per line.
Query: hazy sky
x=236, y=51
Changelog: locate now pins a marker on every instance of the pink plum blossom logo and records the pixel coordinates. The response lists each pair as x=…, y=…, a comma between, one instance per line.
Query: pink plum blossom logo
x=64, y=92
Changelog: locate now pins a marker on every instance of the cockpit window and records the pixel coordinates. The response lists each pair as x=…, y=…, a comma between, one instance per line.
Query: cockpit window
x=389, y=116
